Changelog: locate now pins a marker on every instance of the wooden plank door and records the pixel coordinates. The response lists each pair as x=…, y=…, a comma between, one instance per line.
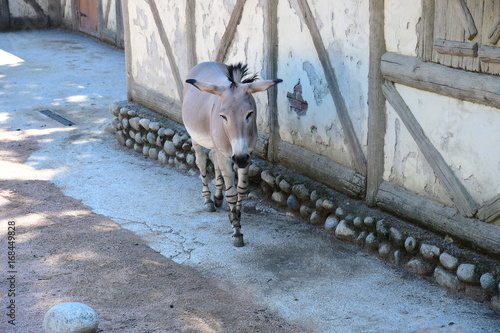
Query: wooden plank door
x=88, y=15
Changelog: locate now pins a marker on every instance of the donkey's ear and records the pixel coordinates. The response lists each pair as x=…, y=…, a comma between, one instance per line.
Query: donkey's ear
x=207, y=87
x=254, y=87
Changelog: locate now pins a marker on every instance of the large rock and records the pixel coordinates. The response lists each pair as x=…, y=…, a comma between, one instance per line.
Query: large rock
x=71, y=317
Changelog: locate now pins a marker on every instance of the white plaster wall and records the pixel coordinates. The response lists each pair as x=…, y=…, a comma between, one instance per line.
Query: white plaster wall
x=112, y=13
x=466, y=135
x=401, y=18
x=22, y=9
x=345, y=36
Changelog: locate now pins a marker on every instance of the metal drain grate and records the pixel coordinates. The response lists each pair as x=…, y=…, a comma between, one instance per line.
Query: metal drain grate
x=57, y=118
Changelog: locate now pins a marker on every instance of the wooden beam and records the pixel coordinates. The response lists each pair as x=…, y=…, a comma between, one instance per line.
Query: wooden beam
x=457, y=192
x=192, y=57
x=438, y=218
x=230, y=30
x=466, y=18
x=321, y=169
x=425, y=30
x=490, y=210
x=376, y=103
x=4, y=15
x=355, y=150
x=160, y=103
x=456, y=83
x=494, y=35
x=271, y=72
x=168, y=49
x=489, y=54
x=127, y=45
x=462, y=49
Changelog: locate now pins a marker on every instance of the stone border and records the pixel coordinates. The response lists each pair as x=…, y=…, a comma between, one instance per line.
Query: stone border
x=417, y=250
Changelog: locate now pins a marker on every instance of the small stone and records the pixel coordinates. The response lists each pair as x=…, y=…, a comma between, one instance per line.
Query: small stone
x=448, y=261
x=305, y=212
x=339, y=212
x=145, y=123
x=145, y=150
x=420, y=266
x=193, y=172
x=446, y=279
x=301, y=191
x=343, y=231
x=411, y=244
x=468, y=273
x=177, y=141
x=384, y=249
x=253, y=171
x=138, y=147
x=396, y=237
x=134, y=123
x=316, y=218
x=268, y=178
x=151, y=137
x=125, y=123
x=161, y=131
x=120, y=137
x=154, y=126
x=180, y=156
x=153, y=153
x=360, y=240
x=185, y=138
x=331, y=222
x=191, y=160
x=132, y=133
x=488, y=282
x=159, y=141
x=132, y=113
x=114, y=109
x=319, y=204
x=398, y=257
x=186, y=147
x=169, y=148
x=117, y=125
x=495, y=303
x=169, y=133
x=349, y=218
x=162, y=157
x=129, y=143
x=328, y=205
x=358, y=222
x=279, y=197
x=369, y=221
x=71, y=317
x=138, y=138
x=292, y=202
x=285, y=186
x=430, y=252
x=314, y=196
x=382, y=230
x=124, y=111
x=371, y=241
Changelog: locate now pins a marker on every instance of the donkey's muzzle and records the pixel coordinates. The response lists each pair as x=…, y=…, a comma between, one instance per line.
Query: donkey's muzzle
x=241, y=160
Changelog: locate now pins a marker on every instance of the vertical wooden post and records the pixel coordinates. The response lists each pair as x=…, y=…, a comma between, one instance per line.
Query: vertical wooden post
x=376, y=103
x=192, y=57
x=4, y=15
x=128, y=48
x=271, y=72
x=119, y=24
x=425, y=31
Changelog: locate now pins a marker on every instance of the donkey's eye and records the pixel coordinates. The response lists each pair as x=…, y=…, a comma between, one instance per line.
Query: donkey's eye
x=223, y=117
x=249, y=115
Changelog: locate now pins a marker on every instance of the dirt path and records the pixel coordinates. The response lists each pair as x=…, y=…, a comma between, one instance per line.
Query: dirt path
x=65, y=252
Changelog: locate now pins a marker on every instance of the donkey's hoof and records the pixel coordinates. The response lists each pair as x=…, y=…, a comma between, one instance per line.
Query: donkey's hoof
x=209, y=206
x=238, y=241
x=218, y=201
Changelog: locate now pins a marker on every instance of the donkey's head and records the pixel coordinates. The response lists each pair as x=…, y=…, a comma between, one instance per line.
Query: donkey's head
x=237, y=112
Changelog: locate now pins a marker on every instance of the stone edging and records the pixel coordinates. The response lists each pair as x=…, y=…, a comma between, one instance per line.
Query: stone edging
x=417, y=250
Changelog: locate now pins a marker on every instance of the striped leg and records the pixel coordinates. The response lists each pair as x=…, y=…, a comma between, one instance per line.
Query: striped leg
x=226, y=168
x=219, y=181
x=242, y=186
x=201, y=162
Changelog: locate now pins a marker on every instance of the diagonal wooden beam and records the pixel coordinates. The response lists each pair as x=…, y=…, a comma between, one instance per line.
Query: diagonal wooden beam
x=168, y=48
x=466, y=18
x=457, y=192
x=357, y=154
x=490, y=210
x=230, y=30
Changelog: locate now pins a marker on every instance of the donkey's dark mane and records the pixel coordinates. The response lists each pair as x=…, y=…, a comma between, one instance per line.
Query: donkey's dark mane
x=239, y=74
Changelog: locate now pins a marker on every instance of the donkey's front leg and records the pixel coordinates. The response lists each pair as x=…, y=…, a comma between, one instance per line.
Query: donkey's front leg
x=201, y=163
x=232, y=198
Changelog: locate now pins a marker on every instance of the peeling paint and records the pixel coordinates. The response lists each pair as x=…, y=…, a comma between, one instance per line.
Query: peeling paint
x=320, y=88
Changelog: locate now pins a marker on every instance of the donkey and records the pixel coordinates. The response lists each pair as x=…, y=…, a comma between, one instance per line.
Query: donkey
x=219, y=113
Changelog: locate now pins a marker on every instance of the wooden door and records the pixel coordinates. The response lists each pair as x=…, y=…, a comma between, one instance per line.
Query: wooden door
x=88, y=15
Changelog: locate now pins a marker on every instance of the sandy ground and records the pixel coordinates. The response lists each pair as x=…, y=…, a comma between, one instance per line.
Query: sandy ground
x=99, y=224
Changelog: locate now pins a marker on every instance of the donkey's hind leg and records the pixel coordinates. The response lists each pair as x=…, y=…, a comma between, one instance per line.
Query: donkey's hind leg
x=201, y=162
x=219, y=181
